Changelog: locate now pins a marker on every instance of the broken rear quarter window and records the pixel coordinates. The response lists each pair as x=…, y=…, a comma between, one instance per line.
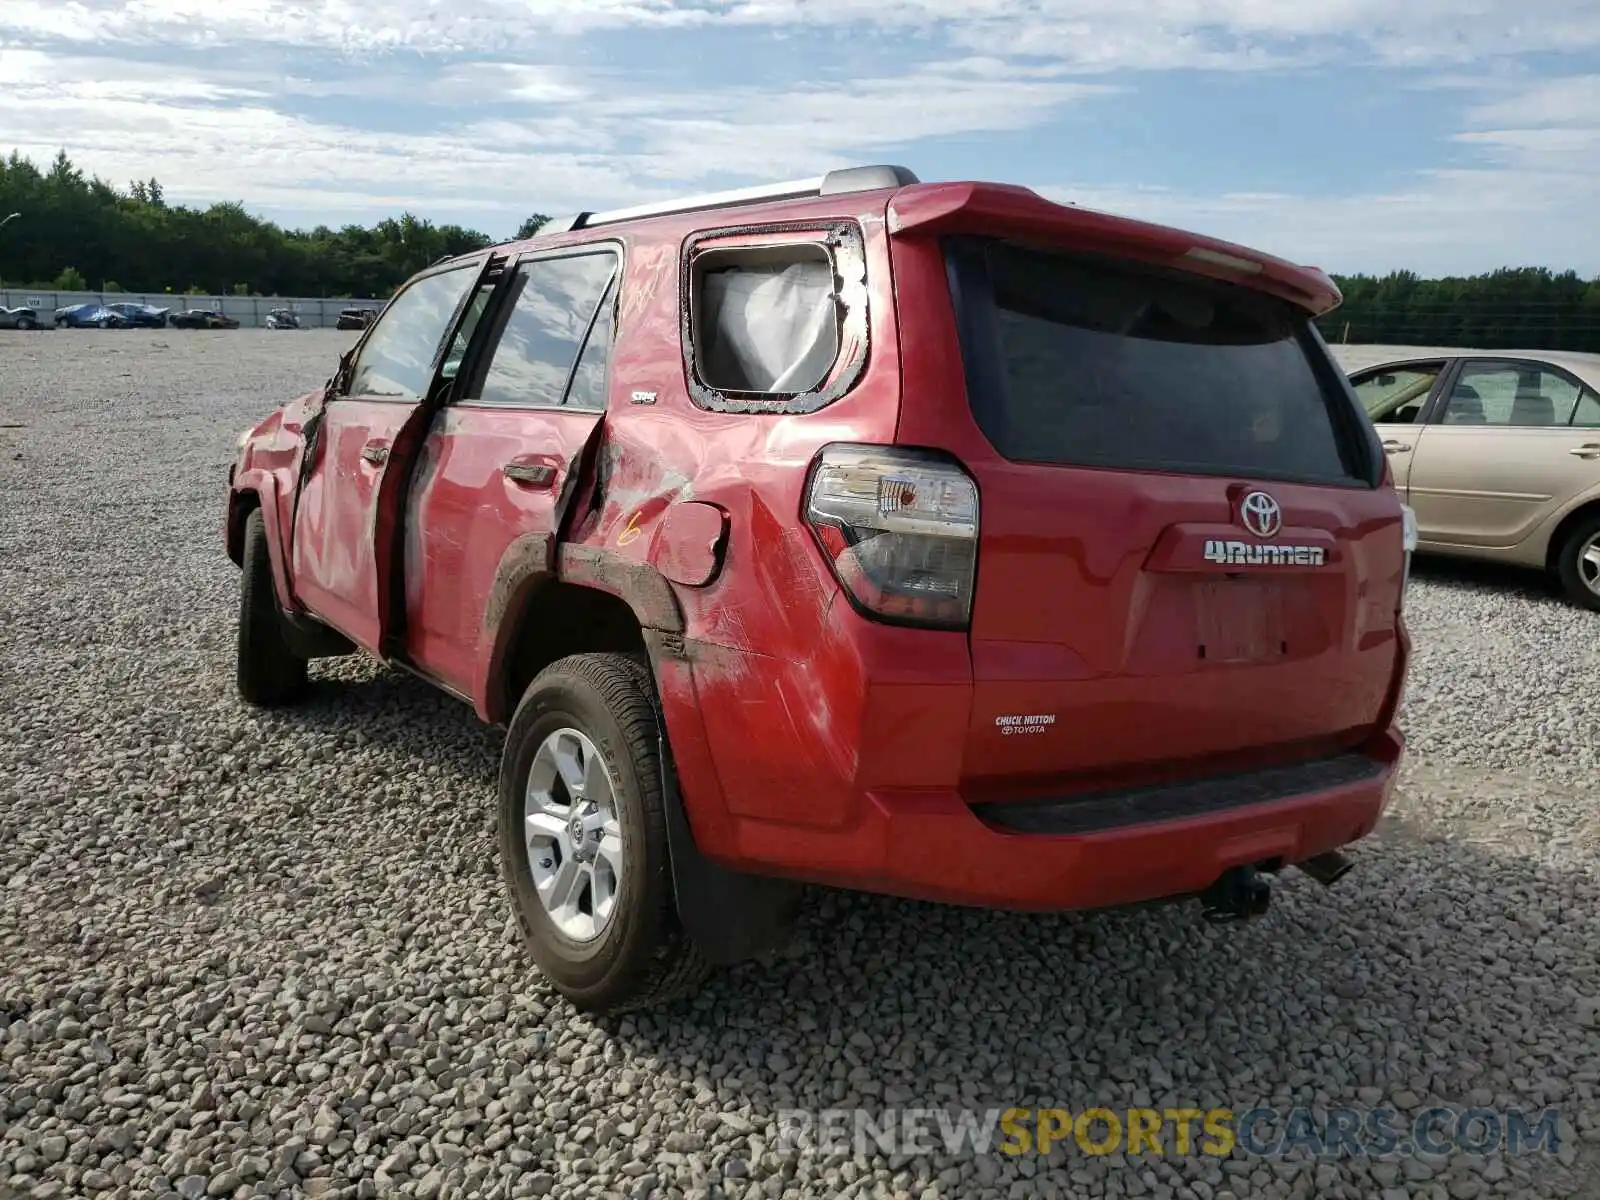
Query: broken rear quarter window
x=765, y=319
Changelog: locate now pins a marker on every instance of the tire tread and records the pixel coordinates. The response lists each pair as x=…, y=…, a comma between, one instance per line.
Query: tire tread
x=268, y=673
x=675, y=967
x=1567, y=563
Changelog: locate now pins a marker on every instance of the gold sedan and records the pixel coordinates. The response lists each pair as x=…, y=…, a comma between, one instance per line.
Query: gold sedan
x=1498, y=453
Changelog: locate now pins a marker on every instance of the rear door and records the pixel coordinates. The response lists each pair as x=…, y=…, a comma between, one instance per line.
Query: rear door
x=1501, y=454
x=1185, y=560
x=337, y=533
x=501, y=458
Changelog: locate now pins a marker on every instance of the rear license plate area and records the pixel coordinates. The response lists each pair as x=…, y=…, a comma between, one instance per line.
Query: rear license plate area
x=1239, y=620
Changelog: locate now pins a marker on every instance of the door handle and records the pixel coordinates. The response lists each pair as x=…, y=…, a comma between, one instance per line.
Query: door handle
x=1587, y=450
x=375, y=453
x=1396, y=448
x=532, y=474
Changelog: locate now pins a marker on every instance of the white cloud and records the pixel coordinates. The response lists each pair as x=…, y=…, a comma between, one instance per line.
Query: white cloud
x=578, y=135
x=1448, y=222
x=1090, y=34
x=1573, y=100
x=586, y=144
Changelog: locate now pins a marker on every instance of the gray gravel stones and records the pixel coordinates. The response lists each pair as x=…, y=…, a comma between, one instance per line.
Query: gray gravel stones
x=248, y=954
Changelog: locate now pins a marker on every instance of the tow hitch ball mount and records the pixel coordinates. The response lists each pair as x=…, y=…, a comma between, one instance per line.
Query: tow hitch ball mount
x=1244, y=892
x=1240, y=894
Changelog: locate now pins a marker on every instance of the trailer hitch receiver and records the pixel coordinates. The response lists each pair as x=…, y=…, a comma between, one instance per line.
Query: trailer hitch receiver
x=1240, y=894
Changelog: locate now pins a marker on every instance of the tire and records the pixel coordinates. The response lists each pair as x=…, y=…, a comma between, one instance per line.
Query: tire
x=269, y=673
x=1583, y=539
x=638, y=956
x=27, y=323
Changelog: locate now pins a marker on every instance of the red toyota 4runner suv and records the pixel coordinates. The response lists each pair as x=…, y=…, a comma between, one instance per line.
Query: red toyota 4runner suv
x=928, y=539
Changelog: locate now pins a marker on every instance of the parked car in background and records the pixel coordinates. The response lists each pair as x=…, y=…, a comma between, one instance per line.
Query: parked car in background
x=355, y=318
x=19, y=318
x=1498, y=453
x=688, y=498
x=90, y=315
x=202, y=318
x=140, y=316
x=282, y=318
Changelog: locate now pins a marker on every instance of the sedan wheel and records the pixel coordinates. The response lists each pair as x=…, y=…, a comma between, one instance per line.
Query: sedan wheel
x=1578, y=563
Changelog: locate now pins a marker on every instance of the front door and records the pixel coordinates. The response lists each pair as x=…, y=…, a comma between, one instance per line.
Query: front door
x=1500, y=454
x=500, y=459
x=1395, y=397
x=334, y=539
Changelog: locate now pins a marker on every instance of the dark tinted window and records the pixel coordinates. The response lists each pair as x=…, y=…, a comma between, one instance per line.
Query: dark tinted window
x=552, y=301
x=1100, y=366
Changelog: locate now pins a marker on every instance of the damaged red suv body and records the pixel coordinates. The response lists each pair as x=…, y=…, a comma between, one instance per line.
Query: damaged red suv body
x=927, y=539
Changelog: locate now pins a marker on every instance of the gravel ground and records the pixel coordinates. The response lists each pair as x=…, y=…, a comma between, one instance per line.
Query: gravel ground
x=247, y=954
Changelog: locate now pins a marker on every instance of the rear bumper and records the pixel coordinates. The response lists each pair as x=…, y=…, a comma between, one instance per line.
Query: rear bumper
x=935, y=846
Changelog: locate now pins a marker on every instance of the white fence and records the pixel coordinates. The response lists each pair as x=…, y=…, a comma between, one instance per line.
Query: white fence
x=249, y=311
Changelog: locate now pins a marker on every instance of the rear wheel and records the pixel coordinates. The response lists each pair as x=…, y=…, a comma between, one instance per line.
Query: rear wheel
x=583, y=837
x=269, y=673
x=25, y=321
x=1578, y=563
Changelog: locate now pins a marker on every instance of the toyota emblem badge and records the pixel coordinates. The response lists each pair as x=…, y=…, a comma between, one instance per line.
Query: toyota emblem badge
x=1260, y=514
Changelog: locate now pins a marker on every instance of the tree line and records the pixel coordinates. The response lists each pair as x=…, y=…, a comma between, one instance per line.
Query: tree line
x=1525, y=308
x=82, y=233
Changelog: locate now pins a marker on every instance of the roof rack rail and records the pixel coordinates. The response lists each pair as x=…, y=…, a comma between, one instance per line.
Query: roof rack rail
x=834, y=183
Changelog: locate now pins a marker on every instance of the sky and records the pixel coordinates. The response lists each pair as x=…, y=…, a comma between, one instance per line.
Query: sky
x=1441, y=136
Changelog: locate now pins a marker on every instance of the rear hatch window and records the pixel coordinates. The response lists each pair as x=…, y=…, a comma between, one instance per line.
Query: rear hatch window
x=1079, y=362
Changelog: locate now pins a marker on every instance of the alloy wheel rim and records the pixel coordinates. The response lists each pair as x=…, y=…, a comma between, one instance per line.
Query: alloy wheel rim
x=1589, y=563
x=573, y=833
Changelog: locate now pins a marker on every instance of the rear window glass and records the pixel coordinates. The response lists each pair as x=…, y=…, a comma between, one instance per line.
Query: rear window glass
x=1105, y=367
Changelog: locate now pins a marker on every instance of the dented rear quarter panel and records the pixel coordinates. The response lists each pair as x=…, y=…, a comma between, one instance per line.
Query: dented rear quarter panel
x=781, y=667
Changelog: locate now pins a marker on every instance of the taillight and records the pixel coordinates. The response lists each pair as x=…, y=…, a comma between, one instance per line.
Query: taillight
x=1408, y=537
x=900, y=527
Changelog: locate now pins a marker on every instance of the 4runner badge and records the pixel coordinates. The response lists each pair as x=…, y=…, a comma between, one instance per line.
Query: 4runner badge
x=1254, y=554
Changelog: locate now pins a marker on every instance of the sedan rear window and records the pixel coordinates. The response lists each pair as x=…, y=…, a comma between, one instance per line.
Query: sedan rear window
x=1097, y=365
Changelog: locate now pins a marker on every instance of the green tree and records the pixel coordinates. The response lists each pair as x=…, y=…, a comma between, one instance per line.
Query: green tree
x=71, y=280
x=531, y=226
x=135, y=235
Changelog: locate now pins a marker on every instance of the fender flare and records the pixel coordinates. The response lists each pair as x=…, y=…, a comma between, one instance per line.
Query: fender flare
x=729, y=915
x=306, y=635
x=265, y=489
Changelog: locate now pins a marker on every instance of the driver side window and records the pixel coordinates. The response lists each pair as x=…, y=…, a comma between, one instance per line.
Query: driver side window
x=1395, y=396
x=396, y=362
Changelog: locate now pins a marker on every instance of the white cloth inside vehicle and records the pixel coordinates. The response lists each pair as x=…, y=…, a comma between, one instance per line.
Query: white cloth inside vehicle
x=769, y=328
